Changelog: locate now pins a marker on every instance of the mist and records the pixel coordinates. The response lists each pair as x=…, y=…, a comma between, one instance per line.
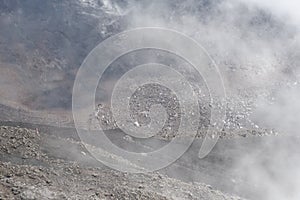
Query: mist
x=254, y=43
x=256, y=46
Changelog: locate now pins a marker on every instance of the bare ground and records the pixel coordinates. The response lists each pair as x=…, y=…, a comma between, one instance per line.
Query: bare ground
x=32, y=169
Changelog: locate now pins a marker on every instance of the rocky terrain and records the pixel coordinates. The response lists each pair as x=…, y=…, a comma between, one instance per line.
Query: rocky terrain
x=40, y=55
x=49, y=162
x=33, y=168
x=42, y=46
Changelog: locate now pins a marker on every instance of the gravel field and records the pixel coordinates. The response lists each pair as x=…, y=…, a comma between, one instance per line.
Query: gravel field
x=253, y=51
x=31, y=170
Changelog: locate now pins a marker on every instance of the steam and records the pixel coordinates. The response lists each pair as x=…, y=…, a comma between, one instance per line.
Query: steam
x=256, y=46
x=246, y=42
x=289, y=10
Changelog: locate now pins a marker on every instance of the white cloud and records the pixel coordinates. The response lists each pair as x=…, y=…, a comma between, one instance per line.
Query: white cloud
x=286, y=9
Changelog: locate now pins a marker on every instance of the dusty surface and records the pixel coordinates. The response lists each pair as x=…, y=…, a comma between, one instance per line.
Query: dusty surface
x=102, y=116
x=42, y=45
x=31, y=171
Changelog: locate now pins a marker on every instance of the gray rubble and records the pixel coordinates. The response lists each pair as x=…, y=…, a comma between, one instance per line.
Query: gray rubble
x=29, y=171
